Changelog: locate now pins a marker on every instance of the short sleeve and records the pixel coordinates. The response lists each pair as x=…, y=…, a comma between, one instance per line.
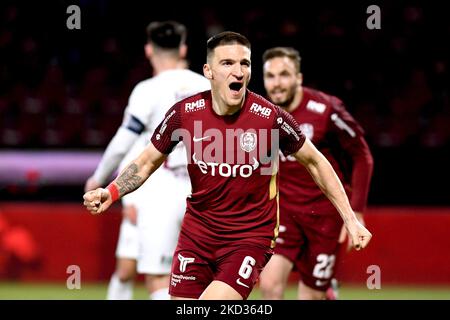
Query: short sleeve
x=164, y=137
x=139, y=105
x=290, y=135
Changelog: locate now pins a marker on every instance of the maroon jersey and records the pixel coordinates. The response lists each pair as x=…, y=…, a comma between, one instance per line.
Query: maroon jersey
x=324, y=120
x=234, y=186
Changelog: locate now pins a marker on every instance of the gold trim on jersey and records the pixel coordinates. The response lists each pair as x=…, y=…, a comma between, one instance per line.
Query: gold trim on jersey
x=273, y=188
x=277, y=226
x=273, y=192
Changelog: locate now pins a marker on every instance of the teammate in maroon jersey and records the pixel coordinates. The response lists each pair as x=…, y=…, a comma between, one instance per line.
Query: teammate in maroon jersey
x=311, y=229
x=233, y=138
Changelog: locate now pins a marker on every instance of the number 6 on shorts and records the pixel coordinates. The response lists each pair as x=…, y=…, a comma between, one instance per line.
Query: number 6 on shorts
x=246, y=267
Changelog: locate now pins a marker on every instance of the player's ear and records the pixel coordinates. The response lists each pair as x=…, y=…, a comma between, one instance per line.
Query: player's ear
x=207, y=71
x=183, y=51
x=148, y=49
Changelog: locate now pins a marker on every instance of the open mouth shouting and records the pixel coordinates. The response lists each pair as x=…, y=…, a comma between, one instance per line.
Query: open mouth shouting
x=235, y=88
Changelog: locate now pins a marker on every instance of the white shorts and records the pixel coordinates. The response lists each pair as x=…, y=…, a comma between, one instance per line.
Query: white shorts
x=128, y=243
x=161, y=205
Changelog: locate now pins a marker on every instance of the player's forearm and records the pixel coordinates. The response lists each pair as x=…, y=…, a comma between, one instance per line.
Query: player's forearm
x=138, y=171
x=114, y=153
x=129, y=179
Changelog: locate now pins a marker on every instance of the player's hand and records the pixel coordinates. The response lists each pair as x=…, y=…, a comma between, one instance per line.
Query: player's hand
x=359, y=235
x=343, y=235
x=91, y=184
x=97, y=201
x=130, y=212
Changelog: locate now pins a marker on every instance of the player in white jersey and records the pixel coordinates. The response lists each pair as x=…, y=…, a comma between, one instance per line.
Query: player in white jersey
x=152, y=215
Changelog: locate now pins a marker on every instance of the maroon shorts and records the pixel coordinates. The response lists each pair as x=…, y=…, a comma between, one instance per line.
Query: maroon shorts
x=310, y=241
x=197, y=262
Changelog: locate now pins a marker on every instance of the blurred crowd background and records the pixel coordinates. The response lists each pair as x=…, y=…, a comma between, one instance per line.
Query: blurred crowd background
x=64, y=89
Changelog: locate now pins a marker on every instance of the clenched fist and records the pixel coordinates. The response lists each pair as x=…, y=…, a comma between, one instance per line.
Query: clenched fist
x=97, y=201
x=359, y=235
x=343, y=236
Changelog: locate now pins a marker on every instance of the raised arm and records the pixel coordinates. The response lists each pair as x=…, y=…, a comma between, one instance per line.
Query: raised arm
x=326, y=178
x=131, y=178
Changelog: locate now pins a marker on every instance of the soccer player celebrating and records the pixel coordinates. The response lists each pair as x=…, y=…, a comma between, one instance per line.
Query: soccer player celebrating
x=232, y=137
x=310, y=227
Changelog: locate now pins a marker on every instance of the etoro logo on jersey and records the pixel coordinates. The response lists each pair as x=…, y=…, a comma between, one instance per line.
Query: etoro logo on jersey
x=225, y=169
x=230, y=152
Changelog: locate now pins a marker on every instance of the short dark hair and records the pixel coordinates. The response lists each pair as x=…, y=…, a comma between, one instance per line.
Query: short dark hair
x=166, y=34
x=288, y=52
x=224, y=38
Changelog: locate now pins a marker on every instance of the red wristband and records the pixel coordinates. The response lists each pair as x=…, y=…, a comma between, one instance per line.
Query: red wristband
x=113, y=191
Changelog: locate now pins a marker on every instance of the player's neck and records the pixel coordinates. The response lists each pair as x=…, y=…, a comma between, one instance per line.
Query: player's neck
x=296, y=101
x=163, y=64
x=222, y=109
